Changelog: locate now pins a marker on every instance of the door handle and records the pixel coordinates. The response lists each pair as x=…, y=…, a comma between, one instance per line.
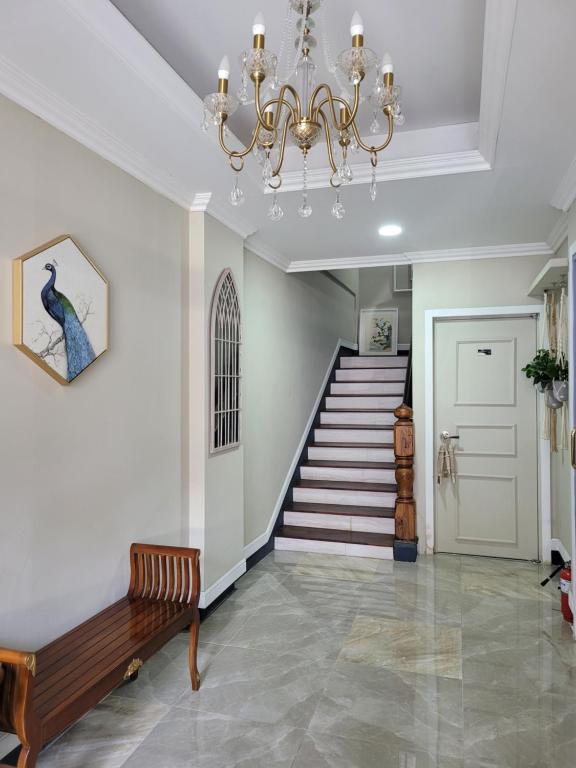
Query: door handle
x=447, y=436
x=573, y=448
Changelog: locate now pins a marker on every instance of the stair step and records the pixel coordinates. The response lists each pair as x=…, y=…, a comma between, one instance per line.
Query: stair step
x=352, y=464
x=350, y=452
x=339, y=485
x=351, y=388
x=365, y=524
x=358, y=418
x=360, y=428
x=342, y=509
x=332, y=444
x=351, y=472
x=350, y=436
x=353, y=543
x=371, y=374
x=374, y=362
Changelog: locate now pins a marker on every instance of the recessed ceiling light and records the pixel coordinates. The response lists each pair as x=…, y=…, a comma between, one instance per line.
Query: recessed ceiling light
x=390, y=230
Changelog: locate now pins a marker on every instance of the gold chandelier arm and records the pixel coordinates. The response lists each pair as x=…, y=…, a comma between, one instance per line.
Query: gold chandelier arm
x=328, y=141
x=280, y=101
x=235, y=153
x=331, y=100
x=276, y=170
x=375, y=150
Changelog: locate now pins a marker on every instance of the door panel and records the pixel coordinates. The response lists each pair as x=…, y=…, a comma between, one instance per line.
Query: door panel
x=482, y=396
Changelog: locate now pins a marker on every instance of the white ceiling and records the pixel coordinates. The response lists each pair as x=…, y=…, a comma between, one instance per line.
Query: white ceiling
x=85, y=69
x=436, y=47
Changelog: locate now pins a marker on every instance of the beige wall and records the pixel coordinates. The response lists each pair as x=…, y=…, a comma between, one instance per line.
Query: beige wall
x=85, y=470
x=376, y=290
x=291, y=326
x=481, y=283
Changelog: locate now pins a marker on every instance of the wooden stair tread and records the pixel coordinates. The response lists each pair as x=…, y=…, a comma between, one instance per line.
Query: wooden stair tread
x=351, y=464
x=328, y=534
x=358, y=427
x=379, y=446
x=342, y=485
x=341, y=509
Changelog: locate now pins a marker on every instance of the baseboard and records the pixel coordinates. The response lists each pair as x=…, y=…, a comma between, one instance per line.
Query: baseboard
x=224, y=582
x=557, y=546
x=262, y=540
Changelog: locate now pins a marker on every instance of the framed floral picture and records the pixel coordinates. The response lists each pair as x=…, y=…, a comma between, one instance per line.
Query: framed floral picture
x=378, y=332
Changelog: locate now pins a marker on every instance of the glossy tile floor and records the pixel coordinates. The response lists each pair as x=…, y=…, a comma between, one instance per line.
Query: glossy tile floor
x=328, y=662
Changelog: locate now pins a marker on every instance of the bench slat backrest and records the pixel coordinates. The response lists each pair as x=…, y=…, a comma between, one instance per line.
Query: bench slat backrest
x=164, y=573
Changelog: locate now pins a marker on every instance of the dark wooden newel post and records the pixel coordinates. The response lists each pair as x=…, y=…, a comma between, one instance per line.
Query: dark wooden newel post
x=405, y=514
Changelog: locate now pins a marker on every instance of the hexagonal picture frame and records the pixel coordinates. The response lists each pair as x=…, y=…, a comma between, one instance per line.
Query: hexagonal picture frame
x=60, y=308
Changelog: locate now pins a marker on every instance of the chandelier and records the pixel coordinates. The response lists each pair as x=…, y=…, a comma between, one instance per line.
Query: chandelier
x=307, y=112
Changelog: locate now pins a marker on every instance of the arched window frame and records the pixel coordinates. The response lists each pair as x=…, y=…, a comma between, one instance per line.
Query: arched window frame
x=225, y=366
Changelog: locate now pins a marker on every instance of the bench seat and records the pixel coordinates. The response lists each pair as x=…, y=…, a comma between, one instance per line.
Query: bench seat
x=43, y=693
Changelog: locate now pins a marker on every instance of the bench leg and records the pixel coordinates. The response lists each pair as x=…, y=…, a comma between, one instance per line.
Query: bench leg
x=193, y=651
x=28, y=757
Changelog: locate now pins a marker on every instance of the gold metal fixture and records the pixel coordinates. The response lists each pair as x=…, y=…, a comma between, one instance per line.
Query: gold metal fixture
x=308, y=112
x=30, y=663
x=133, y=667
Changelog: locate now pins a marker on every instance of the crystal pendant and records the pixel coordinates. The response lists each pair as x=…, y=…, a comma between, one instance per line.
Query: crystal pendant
x=236, y=195
x=344, y=171
x=354, y=146
x=267, y=170
x=338, y=209
x=399, y=119
x=204, y=123
x=373, y=187
x=305, y=209
x=374, y=126
x=275, y=212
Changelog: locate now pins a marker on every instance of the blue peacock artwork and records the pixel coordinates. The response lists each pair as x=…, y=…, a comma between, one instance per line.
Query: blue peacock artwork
x=79, y=351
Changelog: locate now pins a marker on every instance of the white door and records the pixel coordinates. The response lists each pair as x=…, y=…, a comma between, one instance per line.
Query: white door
x=483, y=398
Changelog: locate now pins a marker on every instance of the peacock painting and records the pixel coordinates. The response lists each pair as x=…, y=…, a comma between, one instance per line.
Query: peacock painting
x=61, y=309
x=77, y=346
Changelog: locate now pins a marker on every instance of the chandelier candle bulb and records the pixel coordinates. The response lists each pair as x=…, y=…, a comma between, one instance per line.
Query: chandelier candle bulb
x=223, y=75
x=388, y=70
x=357, y=30
x=269, y=116
x=259, y=30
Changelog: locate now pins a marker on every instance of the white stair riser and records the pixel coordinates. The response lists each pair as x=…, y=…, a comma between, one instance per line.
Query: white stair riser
x=367, y=388
x=384, y=437
x=367, y=419
x=334, y=548
x=370, y=374
x=374, y=362
x=350, y=454
x=340, y=522
x=358, y=498
x=348, y=474
x=371, y=403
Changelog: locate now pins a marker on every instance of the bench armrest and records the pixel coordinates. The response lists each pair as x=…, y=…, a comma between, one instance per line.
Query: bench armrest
x=165, y=573
x=19, y=659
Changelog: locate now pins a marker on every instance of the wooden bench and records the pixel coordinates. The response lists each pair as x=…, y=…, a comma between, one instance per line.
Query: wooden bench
x=43, y=693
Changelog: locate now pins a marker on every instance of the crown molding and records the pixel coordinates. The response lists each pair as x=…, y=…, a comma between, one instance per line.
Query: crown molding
x=423, y=257
x=257, y=246
x=499, y=25
x=392, y=170
x=206, y=202
x=566, y=191
x=559, y=233
x=35, y=97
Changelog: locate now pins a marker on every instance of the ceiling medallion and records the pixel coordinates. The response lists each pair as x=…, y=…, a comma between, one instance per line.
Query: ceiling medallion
x=306, y=112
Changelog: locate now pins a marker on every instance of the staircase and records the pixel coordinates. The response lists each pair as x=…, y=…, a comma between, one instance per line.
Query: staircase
x=344, y=493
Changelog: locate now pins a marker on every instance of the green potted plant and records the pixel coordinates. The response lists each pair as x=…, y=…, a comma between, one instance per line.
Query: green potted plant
x=550, y=375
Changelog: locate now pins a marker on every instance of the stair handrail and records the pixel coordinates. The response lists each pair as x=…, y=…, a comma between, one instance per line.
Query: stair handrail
x=407, y=397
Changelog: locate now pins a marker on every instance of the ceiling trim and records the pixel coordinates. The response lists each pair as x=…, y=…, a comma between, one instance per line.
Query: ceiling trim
x=393, y=170
x=566, y=191
x=559, y=233
x=256, y=245
x=206, y=202
x=499, y=25
x=421, y=257
x=41, y=101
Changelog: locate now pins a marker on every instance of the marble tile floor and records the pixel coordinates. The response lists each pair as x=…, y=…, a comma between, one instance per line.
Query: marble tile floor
x=320, y=661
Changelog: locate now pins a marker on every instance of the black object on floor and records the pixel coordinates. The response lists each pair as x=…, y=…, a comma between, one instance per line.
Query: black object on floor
x=406, y=551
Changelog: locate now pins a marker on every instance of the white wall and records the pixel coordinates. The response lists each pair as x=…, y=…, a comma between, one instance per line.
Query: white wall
x=87, y=469
x=481, y=283
x=376, y=291
x=291, y=326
